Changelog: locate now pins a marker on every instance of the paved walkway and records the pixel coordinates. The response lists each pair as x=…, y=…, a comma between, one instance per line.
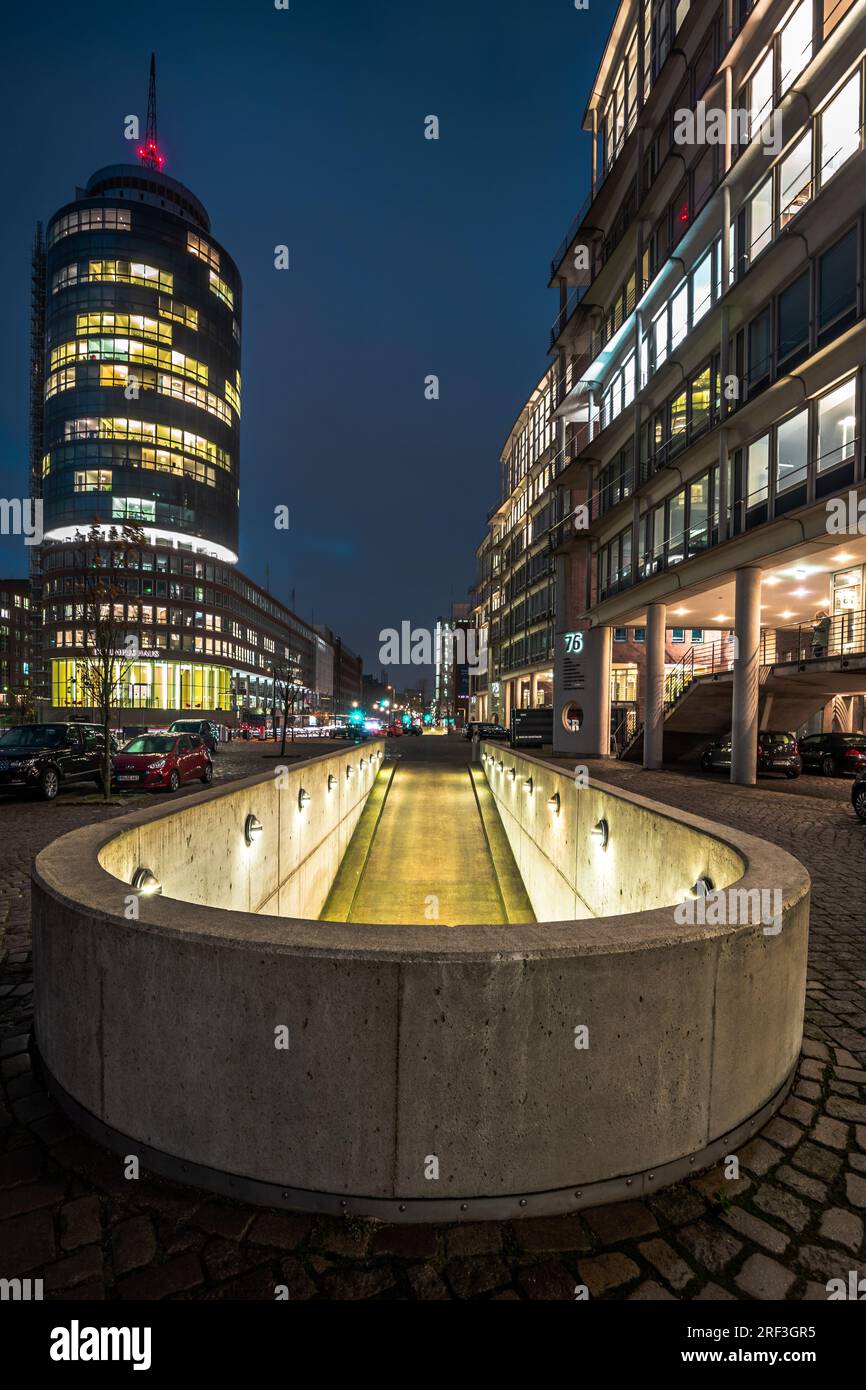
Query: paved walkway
x=792, y=1221
x=423, y=852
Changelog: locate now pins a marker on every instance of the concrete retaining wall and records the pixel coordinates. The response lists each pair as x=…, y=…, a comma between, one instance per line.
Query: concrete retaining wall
x=199, y=854
x=653, y=856
x=431, y=1073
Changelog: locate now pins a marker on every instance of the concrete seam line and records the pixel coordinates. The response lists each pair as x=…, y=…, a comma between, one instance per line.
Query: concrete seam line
x=500, y=894
x=366, y=858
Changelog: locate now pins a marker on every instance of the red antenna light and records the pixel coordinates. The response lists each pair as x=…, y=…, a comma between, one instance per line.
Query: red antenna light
x=149, y=153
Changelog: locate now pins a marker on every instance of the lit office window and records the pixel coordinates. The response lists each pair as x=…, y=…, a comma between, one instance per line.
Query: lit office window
x=795, y=46
x=761, y=94
x=679, y=315
x=93, y=480
x=761, y=219
x=795, y=179
x=700, y=402
x=660, y=338
x=628, y=380
x=679, y=417
x=834, y=11
x=792, y=450
x=840, y=128
x=699, y=510
x=677, y=527
x=758, y=471
x=837, y=426
x=702, y=287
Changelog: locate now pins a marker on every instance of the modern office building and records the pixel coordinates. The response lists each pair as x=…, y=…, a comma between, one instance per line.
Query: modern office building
x=457, y=654
x=708, y=361
x=522, y=585
x=14, y=645
x=136, y=376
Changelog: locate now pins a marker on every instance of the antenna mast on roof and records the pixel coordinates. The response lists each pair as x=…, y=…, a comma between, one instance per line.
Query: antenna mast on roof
x=149, y=152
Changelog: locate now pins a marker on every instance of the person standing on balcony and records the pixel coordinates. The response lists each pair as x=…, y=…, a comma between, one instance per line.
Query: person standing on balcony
x=820, y=633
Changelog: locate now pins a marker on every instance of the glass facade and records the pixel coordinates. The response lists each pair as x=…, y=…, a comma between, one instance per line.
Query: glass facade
x=142, y=348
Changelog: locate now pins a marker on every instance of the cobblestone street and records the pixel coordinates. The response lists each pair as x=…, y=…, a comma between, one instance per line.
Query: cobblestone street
x=792, y=1221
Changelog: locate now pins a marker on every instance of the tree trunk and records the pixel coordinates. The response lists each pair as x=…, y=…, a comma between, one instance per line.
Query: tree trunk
x=106, y=751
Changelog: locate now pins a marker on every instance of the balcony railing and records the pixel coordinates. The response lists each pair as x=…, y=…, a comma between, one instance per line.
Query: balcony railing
x=575, y=297
x=810, y=642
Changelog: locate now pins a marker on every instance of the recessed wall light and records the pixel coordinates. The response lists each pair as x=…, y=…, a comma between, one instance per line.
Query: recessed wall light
x=601, y=834
x=145, y=882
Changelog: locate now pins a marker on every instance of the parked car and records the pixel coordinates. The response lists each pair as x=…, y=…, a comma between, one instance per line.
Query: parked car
x=201, y=728
x=415, y=729
x=43, y=757
x=162, y=762
x=835, y=755
x=338, y=731
x=858, y=795
x=777, y=752
x=394, y=730
x=484, y=730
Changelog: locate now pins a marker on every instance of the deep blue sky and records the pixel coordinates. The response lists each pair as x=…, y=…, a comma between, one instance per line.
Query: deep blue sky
x=409, y=257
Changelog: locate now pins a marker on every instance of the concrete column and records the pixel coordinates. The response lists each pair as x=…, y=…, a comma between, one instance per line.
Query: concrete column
x=533, y=689
x=747, y=668
x=654, y=698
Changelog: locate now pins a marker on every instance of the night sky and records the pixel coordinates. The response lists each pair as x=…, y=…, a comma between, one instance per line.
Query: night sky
x=409, y=257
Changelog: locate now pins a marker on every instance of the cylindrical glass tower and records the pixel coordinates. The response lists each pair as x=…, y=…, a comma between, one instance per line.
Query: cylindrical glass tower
x=142, y=366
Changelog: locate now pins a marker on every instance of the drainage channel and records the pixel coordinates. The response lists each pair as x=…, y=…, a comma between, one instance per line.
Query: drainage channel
x=429, y=847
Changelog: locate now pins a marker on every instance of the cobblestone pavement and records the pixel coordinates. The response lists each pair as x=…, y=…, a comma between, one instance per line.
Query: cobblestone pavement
x=793, y=1220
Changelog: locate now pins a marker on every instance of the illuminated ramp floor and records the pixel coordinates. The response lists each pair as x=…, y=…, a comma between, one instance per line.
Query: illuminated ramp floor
x=429, y=847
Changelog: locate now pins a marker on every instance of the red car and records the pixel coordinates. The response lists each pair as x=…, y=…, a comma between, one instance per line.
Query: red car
x=162, y=761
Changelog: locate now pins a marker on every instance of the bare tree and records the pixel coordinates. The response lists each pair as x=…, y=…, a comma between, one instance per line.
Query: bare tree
x=110, y=650
x=287, y=692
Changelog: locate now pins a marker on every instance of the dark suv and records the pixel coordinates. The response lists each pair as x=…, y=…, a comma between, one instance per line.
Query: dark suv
x=777, y=752
x=42, y=757
x=201, y=728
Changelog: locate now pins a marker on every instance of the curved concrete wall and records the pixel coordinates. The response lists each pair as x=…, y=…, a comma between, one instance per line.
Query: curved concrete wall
x=431, y=1073
x=653, y=856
